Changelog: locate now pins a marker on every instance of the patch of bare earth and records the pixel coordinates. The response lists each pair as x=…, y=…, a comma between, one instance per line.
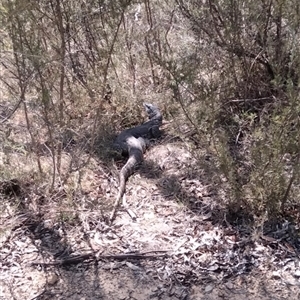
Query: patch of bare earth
x=177, y=248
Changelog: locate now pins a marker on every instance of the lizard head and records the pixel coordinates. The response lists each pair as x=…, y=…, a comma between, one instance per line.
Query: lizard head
x=152, y=111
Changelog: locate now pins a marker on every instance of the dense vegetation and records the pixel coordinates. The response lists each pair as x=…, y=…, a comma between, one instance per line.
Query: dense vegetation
x=229, y=70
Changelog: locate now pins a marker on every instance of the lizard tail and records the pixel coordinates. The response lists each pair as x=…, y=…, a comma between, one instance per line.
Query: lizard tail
x=126, y=171
x=136, y=148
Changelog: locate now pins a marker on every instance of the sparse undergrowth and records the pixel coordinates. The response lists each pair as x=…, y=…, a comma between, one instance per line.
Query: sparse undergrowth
x=71, y=83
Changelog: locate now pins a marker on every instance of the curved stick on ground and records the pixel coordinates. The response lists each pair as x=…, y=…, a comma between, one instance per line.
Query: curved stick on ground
x=133, y=142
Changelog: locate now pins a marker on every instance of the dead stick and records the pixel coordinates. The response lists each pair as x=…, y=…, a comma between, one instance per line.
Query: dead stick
x=94, y=256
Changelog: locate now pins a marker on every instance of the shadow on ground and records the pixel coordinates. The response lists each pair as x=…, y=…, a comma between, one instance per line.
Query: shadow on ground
x=177, y=198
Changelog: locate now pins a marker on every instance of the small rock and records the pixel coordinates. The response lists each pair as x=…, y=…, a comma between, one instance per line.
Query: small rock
x=52, y=279
x=209, y=288
x=276, y=275
x=229, y=285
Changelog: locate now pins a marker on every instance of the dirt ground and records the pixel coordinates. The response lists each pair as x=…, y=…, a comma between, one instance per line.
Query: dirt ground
x=180, y=246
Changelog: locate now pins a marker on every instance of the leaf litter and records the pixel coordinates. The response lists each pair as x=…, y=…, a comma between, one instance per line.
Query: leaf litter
x=174, y=250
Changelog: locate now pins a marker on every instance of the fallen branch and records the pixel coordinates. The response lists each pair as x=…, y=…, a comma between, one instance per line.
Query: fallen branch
x=93, y=256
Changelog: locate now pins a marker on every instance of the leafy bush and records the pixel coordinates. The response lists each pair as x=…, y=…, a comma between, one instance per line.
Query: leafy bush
x=256, y=127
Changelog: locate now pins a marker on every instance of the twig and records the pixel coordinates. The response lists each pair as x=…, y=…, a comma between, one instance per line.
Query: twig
x=125, y=207
x=13, y=111
x=249, y=100
x=93, y=256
